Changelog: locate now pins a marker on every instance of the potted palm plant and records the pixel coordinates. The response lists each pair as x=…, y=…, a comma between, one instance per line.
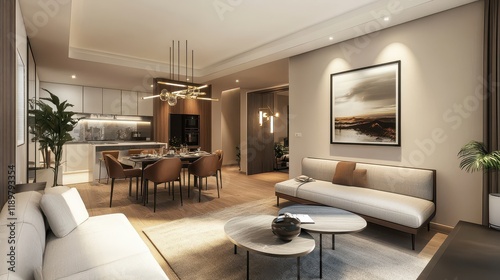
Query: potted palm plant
x=474, y=157
x=51, y=127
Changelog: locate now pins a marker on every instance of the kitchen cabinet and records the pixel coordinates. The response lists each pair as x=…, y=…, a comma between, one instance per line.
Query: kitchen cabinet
x=112, y=101
x=129, y=103
x=71, y=93
x=144, y=106
x=92, y=100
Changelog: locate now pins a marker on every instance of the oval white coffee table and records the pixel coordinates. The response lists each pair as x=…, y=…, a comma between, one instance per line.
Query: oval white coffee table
x=254, y=234
x=327, y=220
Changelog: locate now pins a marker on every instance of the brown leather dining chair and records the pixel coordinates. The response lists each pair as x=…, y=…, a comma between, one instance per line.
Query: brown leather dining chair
x=167, y=170
x=220, y=155
x=113, y=153
x=203, y=167
x=118, y=170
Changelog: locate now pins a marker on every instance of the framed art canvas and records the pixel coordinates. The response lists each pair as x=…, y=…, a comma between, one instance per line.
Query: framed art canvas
x=365, y=105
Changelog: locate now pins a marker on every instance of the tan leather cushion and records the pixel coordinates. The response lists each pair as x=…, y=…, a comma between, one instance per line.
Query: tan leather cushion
x=343, y=173
x=359, y=178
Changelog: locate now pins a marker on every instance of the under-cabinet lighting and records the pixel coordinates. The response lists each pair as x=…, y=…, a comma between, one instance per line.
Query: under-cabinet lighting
x=116, y=121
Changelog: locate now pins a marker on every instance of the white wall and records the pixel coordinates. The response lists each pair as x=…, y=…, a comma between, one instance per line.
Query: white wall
x=441, y=109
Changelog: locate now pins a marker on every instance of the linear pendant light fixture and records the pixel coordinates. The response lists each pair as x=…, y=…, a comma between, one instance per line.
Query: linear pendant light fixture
x=189, y=91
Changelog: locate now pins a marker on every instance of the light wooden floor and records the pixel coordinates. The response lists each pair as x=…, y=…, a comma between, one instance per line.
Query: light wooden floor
x=237, y=188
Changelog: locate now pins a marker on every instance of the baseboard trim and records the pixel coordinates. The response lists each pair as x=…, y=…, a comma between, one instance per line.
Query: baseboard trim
x=441, y=228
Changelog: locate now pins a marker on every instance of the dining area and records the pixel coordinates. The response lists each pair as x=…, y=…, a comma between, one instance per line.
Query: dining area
x=167, y=169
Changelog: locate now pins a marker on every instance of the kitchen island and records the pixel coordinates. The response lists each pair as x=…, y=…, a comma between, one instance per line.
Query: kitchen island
x=97, y=147
x=81, y=159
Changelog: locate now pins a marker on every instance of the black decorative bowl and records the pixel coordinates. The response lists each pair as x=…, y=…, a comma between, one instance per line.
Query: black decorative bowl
x=286, y=227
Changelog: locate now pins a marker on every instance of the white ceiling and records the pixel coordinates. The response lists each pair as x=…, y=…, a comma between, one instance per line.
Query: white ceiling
x=125, y=43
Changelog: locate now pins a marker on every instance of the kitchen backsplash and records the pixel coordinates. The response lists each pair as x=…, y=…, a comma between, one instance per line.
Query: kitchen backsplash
x=111, y=130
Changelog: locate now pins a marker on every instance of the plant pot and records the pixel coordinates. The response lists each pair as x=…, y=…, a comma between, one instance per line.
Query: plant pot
x=47, y=175
x=494, y=210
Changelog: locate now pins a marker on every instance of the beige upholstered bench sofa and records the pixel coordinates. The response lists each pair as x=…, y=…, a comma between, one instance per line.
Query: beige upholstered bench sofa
x=74, y=246
x=401, y=198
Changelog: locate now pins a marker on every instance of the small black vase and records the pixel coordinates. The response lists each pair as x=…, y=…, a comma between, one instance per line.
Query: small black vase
x=286, y=227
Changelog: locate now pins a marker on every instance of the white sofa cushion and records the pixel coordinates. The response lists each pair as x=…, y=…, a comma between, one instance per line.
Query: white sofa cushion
x=108, y=248
x=64, y=211
x=28, y=237
x=401, y=209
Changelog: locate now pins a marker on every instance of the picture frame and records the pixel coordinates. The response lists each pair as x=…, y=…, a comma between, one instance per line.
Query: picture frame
x=365, y=105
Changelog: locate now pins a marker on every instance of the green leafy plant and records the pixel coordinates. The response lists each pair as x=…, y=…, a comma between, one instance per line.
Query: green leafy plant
x=238, y=156
x=279, y=150
x=174, y=142
x=51, y=127
x=474, y=157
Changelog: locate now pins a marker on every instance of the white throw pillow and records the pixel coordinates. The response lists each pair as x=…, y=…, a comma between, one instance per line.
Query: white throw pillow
x=64, y=211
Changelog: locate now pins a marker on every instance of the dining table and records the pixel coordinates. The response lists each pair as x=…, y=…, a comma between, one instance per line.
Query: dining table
x=147, y=159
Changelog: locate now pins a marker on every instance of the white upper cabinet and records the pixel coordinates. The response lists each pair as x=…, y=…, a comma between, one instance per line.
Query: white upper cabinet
x=95, y=100
x=144, y=106
x=129, y=103
x=112, y=101
x=70, y=93
x=92, y=100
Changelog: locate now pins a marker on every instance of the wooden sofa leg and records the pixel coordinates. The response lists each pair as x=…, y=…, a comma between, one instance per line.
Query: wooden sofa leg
x=413, y=241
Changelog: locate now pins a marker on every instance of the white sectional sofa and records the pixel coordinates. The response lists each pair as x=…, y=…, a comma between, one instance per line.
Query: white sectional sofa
x=100, y=247
x=397, y=197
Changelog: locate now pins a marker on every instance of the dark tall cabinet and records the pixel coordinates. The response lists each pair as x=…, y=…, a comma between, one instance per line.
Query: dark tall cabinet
x=186, y=129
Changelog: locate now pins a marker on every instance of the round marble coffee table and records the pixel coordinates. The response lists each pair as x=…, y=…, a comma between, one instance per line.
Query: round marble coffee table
x=254, y=234
x=327, y=220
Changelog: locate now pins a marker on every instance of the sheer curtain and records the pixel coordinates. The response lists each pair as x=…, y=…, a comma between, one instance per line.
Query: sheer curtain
x=492, y=102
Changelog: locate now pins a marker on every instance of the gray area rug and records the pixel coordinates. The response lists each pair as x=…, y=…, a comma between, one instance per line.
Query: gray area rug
x=197, y=248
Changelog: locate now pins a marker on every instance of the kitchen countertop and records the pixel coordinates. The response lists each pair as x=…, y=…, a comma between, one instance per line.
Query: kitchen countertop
x=126, y=145
x=112, y=142
x=120, y=143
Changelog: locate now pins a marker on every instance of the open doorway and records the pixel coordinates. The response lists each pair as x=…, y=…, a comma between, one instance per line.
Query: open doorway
x=281, y=131
x=267, y=130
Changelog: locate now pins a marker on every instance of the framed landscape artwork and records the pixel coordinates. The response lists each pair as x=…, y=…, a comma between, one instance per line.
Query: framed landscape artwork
x=365, y=105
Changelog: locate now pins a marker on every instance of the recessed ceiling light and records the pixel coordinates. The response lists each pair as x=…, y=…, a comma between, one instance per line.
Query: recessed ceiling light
x=151, y=85
x=330, y=38
x=387, y=18
x=237, y=81
x=73, y=76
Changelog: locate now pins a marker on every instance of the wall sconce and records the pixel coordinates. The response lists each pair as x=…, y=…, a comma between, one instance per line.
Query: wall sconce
x=266, y=114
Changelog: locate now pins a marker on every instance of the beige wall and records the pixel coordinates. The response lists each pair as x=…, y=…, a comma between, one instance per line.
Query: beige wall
x=230, y=124
x=441, y=109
